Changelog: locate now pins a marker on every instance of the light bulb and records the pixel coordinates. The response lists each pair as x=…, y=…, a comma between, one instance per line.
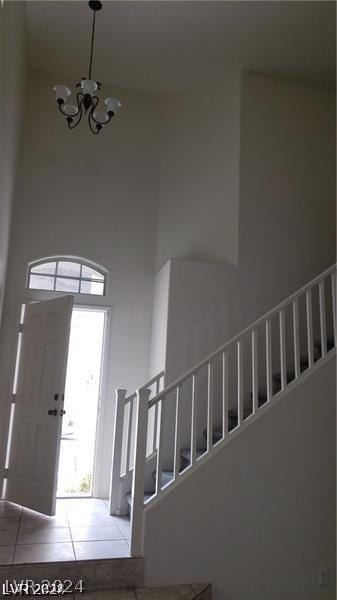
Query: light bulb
x=101, y=117
x=112, y=104
x=88, y=86
x=62, y=92
x=70, y=110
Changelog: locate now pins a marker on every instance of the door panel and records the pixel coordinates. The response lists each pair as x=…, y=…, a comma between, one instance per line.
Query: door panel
x=35, y=446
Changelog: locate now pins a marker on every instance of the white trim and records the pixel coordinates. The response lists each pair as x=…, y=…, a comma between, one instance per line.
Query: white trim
x=102, y=402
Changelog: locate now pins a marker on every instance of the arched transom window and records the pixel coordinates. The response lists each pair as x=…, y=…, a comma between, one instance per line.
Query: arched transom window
x=66, y=275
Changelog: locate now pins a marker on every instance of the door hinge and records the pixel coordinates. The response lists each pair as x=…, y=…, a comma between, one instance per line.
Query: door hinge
x=21, y=328
x=6, y=471
x=13, y=398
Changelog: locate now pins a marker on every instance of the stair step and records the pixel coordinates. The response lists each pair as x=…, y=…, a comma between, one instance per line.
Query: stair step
x=261, y=398
x=329, y=343
x=217, y=435
x=166, y=477
x=128, y=497
x=185, y=454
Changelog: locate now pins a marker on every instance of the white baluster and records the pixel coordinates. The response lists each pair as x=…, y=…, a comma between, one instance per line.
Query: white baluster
x=160, y=446
x=138, y=482
x=156, y=416
x=240, y=382
x=333, y=292
x=176, y=468
x=116, y=487
x=209, y=407
x=283, y=356
x=224, y=394
x=155, y=427
x=269, y=366
x=310, y=337
x=296, y=325
x=322, y=317
x=255, y=376
x=193, y=421
x=129, y=435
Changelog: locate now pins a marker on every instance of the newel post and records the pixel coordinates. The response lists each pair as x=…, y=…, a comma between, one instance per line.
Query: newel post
x=138, y=482
x=116, y=488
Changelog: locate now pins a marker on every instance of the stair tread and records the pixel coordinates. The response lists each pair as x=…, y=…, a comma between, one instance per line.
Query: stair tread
x=186, y=453
x=330, y=344
x=166, y=477
x=147, y=495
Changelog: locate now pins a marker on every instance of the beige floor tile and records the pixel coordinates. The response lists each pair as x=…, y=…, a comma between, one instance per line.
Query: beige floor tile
x=8, y=537
x=101, y=549
x=56, y=552
x=83, y=534
x=43, y=535
x=8, y=509
x=90, y=520
x=9, y=523
x=35, y=520
x=200, y=587
x=206, y=594
x=6, y=555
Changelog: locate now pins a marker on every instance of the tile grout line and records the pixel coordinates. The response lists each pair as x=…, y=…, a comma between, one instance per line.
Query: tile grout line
x=71, y=535
x=17, y=535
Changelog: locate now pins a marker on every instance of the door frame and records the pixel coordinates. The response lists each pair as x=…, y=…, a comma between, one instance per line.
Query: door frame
x=40, y=296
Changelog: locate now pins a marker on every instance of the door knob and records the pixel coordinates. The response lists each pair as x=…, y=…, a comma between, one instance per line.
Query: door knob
x=62, y=412
x=52, y=412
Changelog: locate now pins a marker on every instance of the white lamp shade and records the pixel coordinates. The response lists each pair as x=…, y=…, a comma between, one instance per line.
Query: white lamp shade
x=88, y=86
x=101, y=117
x=70, y=110
x=62, y=92
x=112, y=104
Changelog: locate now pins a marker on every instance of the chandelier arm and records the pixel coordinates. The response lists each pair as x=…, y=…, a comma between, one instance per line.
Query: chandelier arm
x=78, y=116
x=91, y=119
x=78, y=105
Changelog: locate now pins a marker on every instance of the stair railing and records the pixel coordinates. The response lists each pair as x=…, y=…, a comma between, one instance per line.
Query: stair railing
x=125, y=426
x=300, y=301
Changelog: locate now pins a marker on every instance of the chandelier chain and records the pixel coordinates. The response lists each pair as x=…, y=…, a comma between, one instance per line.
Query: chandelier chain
x=92, y=43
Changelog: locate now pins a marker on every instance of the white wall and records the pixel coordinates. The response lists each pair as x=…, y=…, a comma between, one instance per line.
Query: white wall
x=287, y=190
x=286, y=226
x=159, y=320
x=94, y=197
x=199, y=183
x=12, y=81
x=257, y=520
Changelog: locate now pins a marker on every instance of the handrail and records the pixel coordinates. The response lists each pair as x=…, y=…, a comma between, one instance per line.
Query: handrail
x=241, y=335
x=145, y=386
x=152, y=381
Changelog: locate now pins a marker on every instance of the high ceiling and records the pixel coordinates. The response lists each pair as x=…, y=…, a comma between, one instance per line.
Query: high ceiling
x=165, y=46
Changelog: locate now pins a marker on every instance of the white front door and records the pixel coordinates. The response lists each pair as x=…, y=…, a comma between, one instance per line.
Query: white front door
x=37, y=424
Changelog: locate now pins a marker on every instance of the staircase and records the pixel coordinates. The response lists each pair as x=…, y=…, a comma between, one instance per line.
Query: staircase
x=163, y=434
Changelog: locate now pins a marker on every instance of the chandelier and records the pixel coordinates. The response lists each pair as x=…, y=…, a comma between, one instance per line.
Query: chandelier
x=86, y=98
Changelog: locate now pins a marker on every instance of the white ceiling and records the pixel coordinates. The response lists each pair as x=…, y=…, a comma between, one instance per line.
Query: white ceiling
x=164, y=46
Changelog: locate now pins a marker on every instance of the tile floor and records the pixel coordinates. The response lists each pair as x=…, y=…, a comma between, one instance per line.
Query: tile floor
x=81, y=530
